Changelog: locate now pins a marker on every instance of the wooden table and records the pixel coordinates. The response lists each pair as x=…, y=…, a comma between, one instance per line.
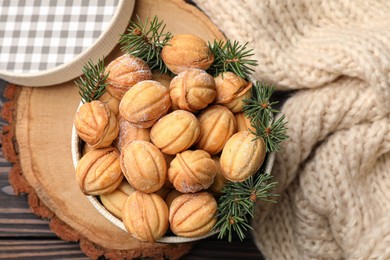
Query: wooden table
x=24, y=235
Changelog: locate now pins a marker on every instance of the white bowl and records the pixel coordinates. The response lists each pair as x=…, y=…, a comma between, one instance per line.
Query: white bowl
x=76, y=146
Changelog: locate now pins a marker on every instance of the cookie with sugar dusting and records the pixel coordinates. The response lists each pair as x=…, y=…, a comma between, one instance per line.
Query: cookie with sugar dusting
x=192, y=171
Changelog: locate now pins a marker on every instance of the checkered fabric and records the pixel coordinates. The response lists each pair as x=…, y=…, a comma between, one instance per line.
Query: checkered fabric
x=42, y=34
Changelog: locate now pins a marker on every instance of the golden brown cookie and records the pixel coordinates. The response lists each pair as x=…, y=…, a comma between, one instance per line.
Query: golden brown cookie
x=96, y=124
x=163, y=78
x=112, y=102
x=98, y=171
x=243, y=122
x=145, y=216
x=143, y=165
x=145, y=103
x=219, y=179
x=175, y=132
x=192, y=171
x=115, y=200
x=237, y=104
x=186, y=51
x=129, y=132
x=242, y=156
x=217, y=125
x=193, y=215
x=230, y=86
x=124, y=72
x=192, y=90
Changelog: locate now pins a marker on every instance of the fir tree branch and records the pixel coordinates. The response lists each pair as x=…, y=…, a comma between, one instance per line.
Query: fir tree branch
x=93, y=83
x=273, y=133
x=237, y=204
x=259, y=107
x=231, y=56
x=145, y=41
x=261, y=114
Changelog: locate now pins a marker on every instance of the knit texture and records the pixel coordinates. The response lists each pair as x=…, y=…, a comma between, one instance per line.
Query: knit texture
x=334, y=171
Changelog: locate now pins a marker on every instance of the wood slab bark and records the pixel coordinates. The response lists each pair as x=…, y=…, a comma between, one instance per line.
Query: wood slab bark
x=38, y=140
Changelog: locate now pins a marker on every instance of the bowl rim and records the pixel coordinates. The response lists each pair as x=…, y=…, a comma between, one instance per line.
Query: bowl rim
x=76, y=155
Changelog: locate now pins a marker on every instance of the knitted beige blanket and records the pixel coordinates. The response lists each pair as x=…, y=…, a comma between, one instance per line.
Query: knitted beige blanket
x=334, y=171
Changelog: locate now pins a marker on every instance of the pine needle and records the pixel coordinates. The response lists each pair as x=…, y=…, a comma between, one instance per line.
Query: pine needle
x=145, y=41
x=261, y=114
x=237, y=204
x=233, y=57
x=92, y=84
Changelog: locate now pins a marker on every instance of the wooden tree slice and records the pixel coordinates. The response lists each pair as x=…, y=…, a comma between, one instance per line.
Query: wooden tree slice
x=42, y=121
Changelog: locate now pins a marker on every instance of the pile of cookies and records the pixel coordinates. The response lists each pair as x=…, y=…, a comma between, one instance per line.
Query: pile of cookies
x=159, y=148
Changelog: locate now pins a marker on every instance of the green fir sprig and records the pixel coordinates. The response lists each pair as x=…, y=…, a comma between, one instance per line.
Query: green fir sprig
x=259, y=109
x=231, y=56
x=92, y=84
x=145, y=41
x=237, y=204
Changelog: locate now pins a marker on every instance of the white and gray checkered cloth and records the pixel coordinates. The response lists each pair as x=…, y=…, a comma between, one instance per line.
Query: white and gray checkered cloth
x=42, y=34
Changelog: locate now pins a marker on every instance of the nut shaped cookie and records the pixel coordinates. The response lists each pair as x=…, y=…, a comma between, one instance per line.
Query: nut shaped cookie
x=168, y=160
x=243, y=122
x=192, y=171
x=173, y=194
x=186, y=51
x=237, y=104
x=124, y=72
x=98, y=171
x=230, y=86
x=219, y=179
x=96, y=124
x=242, y=156
x=115, y=200
x=193, y=215
x=145, y=103
x=129, y=132
x=112, y=102
x=175, y=132
x=217, y=125
x=163, y=78
x=143, y=165
x=192, y=90
x=145, y=216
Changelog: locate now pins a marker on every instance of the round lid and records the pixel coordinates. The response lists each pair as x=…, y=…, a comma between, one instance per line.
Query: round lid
x=47, y=42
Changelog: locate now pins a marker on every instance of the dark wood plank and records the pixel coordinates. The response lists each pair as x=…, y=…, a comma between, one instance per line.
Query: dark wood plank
x=39, y=249
x=16, y=218
x=213, y=248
